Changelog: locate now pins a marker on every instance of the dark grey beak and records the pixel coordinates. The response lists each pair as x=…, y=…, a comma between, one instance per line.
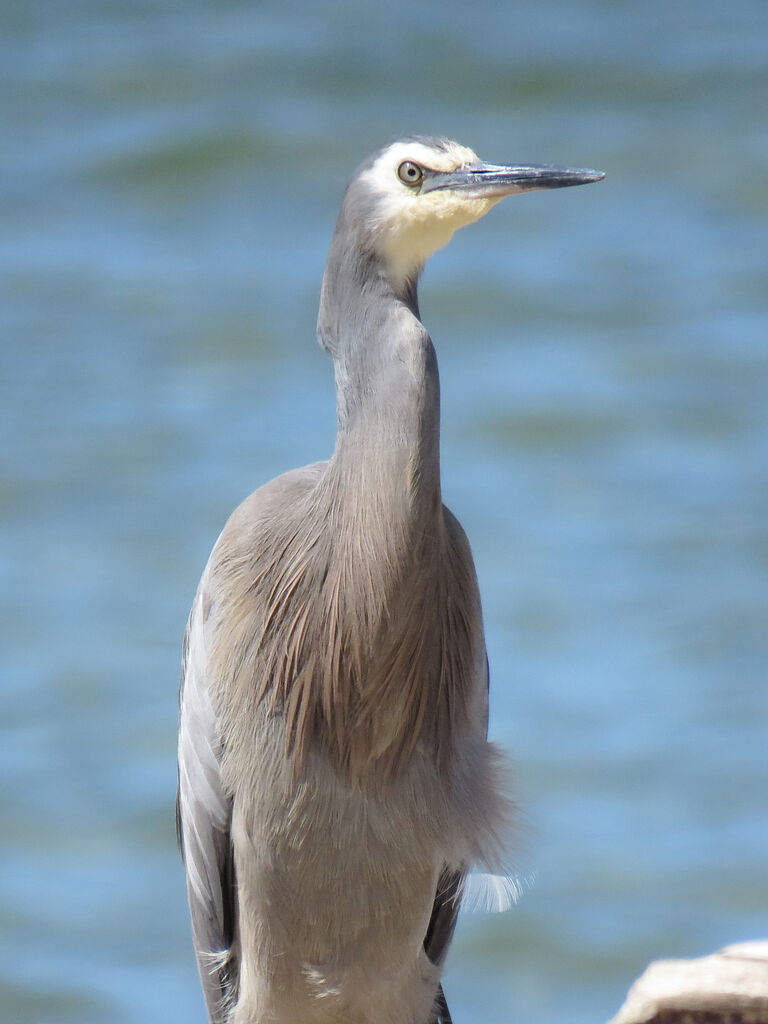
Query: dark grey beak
x=486, y=181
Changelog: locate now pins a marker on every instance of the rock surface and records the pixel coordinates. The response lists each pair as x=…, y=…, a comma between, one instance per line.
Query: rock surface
x=728, y=987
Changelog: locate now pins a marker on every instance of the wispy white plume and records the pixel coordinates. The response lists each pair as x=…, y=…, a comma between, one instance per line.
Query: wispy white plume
x=493, y=894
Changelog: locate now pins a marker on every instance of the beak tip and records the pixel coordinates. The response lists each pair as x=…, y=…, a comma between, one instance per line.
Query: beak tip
x=586, y=175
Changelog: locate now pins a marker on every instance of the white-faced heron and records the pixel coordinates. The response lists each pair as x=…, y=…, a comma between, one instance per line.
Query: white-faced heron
x=335, y=779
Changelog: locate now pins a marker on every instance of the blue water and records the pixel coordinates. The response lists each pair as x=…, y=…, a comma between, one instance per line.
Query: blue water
x=169, y=182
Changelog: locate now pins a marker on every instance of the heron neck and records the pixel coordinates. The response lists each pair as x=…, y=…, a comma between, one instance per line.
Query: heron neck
x=379, y=542
x=388, y=401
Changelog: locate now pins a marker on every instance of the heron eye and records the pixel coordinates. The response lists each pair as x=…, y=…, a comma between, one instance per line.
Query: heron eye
x=410, y=173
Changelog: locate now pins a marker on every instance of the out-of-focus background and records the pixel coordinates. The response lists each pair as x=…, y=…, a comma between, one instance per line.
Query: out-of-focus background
x=169, y=182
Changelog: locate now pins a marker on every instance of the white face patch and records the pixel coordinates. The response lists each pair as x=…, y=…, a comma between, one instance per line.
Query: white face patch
x=411, y=226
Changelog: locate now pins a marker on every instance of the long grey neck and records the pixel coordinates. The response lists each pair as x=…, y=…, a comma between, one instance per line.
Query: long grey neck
x=387, y=455
x=366, y=610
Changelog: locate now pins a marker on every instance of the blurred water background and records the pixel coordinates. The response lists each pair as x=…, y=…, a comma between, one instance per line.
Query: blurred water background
x=170, y=179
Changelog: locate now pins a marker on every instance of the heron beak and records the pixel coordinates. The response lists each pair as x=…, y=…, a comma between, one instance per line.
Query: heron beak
x=489, y=181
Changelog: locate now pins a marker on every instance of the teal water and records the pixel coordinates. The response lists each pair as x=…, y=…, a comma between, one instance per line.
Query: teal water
x=170, y=179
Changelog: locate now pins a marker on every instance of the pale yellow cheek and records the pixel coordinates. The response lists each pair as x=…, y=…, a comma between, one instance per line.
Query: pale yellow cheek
x=449, y=209
x=425, y=224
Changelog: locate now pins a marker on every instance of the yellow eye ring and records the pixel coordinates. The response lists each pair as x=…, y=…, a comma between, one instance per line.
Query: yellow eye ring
x=410, y=173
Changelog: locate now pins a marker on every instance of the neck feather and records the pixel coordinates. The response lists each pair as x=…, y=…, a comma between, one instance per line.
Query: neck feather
x=361, y=618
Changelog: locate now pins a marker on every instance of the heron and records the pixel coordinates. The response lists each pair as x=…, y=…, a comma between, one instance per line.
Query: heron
x=336, y=783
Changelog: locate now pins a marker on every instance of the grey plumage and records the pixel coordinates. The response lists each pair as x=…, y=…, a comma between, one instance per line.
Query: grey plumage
x=335, y=781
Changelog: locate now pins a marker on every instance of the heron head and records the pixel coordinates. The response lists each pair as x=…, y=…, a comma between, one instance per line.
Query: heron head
x=415, y=193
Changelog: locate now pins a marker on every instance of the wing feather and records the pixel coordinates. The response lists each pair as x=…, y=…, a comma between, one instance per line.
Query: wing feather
x=203, y=817
x=445, y=910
